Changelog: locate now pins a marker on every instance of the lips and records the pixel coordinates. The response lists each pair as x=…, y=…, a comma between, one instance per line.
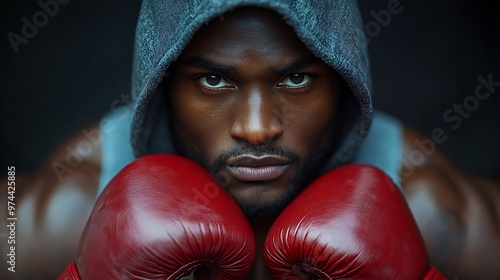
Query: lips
x=257, y=168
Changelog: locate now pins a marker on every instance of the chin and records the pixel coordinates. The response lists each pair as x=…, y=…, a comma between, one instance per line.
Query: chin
x=259, y=199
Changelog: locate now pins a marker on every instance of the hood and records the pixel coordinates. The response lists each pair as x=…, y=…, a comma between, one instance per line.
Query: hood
x=332, y=30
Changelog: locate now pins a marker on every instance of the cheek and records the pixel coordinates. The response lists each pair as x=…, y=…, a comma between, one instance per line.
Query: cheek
x=200, y=125
x=310, y=122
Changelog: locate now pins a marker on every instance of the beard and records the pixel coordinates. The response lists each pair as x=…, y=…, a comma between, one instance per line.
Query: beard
x=308, y=169
x=260, y=210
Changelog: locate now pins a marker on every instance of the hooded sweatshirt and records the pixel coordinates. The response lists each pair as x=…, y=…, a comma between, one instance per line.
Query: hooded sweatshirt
x=332, y=30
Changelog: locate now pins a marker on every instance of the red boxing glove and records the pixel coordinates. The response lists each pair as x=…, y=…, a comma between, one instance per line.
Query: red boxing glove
x=164, y=217
x=351, y=223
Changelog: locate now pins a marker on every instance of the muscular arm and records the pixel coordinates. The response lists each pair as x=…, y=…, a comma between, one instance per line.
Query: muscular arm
x=458, y=214
x=52, y=208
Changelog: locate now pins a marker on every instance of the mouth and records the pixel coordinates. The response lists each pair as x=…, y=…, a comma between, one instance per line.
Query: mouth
x=251, y=168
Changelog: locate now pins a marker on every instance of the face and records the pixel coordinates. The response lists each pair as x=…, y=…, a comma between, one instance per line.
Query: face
x=254, y=106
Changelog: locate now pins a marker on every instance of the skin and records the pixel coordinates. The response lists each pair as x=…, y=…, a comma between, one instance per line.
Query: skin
x=458, y=214
x=241, y=108
x=51, y=213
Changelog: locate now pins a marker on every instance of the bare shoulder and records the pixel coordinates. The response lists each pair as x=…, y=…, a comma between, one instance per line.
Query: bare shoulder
x=457, y=213
x=53, y=204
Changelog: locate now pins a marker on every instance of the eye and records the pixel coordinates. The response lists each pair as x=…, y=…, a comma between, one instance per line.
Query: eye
x=295, y=80
x=214, y=82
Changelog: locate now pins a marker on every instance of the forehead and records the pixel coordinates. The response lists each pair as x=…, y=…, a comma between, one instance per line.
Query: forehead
x=250, y=32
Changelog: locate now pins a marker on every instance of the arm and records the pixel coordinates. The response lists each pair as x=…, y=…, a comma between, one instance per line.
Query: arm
x=458, y=214
x=52, y=208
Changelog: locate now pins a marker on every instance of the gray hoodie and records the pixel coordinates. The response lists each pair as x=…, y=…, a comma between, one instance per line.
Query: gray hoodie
x=331, y=29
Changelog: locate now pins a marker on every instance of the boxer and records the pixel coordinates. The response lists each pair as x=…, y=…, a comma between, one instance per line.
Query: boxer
x=266, y=97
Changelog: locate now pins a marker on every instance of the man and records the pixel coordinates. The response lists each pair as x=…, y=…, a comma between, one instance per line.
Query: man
x=282, y=84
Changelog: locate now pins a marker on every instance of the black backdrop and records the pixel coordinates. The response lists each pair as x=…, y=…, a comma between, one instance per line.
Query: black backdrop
x=425, y=58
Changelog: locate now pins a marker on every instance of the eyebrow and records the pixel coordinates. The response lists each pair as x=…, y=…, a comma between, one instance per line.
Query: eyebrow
x=297, y=65
x=210, y=65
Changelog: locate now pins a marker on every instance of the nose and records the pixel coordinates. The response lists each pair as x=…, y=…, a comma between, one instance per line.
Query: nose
x=256, y=120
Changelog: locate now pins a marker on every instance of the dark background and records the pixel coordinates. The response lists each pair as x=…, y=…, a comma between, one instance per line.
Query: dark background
x=426, y=59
